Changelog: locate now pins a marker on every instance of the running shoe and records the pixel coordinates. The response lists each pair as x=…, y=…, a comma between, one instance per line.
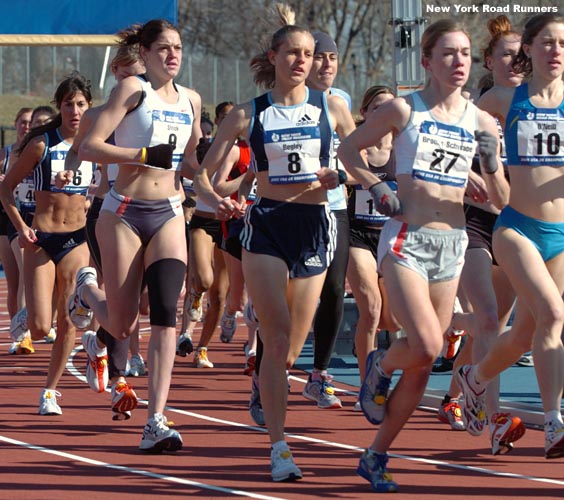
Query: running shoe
x=374, y=389
x=137, y=366
x=322, y=392
x=250, y=362
x=13, y=349
x=124, y=401
x=504, y=431
x=473, y=407
x=159, y=437
x=96, y=363
x=228, y=326
x=442, y=365
x=357, y=407
x=48, y=403
x=195, y=306
x=184, y=345
x=80, y=313
x=18, y=325
x=373, y=468
x=451, y=413
x=554, y=440
x=526, y=360
x=26, y=345
x=283, y=467
x=250, y=317
x=453, y=339
x=255, y=406
x=51, y=336
x=201, y=358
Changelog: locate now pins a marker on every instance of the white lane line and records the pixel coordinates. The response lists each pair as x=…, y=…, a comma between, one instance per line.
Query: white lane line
x=139, y=472
x=300, y=437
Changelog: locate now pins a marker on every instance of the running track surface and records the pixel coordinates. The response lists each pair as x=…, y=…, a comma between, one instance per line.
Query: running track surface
x=83, y=454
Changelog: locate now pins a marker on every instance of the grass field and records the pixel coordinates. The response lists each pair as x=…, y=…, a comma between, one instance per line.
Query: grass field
x=9, y=106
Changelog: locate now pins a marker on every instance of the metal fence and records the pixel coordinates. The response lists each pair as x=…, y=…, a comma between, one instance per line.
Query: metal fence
x=37, y=70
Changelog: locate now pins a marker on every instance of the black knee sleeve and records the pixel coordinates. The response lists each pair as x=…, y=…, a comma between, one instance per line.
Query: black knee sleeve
x=164, y=283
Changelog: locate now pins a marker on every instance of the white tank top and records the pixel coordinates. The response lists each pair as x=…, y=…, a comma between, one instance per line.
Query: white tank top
x=156, y=122
x=433, y=151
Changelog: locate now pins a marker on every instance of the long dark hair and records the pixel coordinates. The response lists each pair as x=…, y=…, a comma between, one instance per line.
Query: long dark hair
x=69, y=87
x=145, y=34
x=522, y=63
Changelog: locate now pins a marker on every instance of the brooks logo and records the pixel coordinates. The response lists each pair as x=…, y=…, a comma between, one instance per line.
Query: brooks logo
x=314, y=261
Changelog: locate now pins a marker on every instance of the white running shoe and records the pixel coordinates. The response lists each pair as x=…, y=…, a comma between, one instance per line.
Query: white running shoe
x=473, y=403
x=195, y=306
x=554, y=440
x=48, y=403
x=228, y=325
x=137, y=366
x=51, y=336
x=13, y=349
x=97, y=363
x=158, y=437
x=18, y=325
x=201, y=358
x=80, y=313
x=184, y=345
x=283, y=467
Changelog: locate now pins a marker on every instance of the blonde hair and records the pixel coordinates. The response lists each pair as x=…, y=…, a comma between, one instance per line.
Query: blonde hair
x=126, y=56
x=264, y=73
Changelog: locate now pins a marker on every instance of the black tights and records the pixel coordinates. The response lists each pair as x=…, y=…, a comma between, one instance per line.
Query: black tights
x=118, y=351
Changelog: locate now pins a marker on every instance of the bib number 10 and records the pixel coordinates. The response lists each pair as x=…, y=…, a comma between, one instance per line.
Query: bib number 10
x=552, y=143
x=294, y=165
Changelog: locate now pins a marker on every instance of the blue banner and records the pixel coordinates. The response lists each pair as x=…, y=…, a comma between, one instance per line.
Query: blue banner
x=86, y=17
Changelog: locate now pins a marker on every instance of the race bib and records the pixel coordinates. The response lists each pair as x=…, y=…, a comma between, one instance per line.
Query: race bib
x=26, y=193
x=540, y=137
x=293, y=155
x=174, y=128
x=444, y=154
x=364, y=209
x=82, y=176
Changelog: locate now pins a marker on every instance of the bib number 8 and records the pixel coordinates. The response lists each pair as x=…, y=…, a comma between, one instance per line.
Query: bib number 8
x=294, y=165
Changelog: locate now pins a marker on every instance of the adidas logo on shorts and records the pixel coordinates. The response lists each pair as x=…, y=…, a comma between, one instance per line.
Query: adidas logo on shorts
x=314, y=261
x=69, y=244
